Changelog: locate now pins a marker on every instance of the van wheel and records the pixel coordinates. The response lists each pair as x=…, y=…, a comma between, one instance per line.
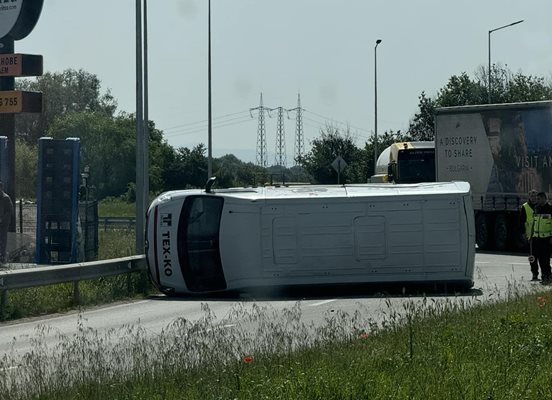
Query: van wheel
x=501, y=232
x=482, y=231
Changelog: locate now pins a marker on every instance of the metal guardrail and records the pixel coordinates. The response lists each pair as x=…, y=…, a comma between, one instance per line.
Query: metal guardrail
x=116, y=222
x=53, y=274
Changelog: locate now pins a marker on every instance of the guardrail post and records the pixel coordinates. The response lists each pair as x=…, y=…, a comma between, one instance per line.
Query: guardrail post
x=76, y=293
x=21, y=215
x=3, y=301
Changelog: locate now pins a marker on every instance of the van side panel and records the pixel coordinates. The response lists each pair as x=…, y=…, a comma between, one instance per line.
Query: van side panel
x=367, y=240
x=370, y=237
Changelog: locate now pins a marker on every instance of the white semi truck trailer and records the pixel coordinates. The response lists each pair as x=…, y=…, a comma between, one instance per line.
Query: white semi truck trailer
x=503, y=151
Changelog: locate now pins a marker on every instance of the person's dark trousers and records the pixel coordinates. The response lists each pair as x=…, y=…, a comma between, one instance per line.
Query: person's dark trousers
x=535, y=264
x=534, y=268
x=541, y=251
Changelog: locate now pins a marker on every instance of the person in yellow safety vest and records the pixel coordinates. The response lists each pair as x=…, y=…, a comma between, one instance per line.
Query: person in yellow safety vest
x=542, y=235
x=526, y=223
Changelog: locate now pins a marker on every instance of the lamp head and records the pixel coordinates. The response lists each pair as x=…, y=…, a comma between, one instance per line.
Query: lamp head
x=378, y=41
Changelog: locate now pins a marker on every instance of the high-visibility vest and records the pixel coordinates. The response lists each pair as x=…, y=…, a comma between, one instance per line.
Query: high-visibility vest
x=542, y=225
x=528, y=220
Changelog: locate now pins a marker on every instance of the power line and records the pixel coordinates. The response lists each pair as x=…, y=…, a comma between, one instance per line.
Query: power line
x=322, y=125
x=221, y=124
x=204, y=121
x=338, y=122
x=316, y=121
x=326, y=119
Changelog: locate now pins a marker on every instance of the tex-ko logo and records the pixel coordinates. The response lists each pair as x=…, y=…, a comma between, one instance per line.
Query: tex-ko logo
x=166, y=219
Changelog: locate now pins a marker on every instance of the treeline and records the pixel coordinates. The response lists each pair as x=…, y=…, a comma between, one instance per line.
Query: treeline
x=74, y=106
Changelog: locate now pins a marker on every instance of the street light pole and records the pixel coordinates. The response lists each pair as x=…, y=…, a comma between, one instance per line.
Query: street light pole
x=376, y=104
x=145, y=124
x=489, y=84
x=140, y=207
x=209, y=109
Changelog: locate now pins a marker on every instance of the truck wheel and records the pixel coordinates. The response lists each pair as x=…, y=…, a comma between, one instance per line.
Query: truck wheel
x=482, y=231
x=501, y=232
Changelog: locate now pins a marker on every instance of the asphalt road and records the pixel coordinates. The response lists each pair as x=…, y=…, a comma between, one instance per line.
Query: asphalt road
x=497, y=276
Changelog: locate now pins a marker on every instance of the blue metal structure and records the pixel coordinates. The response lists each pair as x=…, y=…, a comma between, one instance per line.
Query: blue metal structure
x=57, y=201
x=4, y=173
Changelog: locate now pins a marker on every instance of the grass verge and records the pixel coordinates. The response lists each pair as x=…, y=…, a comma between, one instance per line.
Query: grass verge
x=456, y=349
x=51, y=299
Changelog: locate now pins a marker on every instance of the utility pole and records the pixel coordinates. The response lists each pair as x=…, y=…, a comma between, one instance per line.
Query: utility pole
x=140, y=207
x=376, y=104
x=489, y=83
x=7, y=126
x=146, y=110
x=209, y=107
x=261, y=133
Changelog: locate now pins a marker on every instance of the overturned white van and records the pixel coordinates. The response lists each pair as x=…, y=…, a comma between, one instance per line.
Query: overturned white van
x=202, y=241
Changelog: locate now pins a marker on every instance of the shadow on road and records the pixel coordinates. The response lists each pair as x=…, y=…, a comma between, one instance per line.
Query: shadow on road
x=322, y=292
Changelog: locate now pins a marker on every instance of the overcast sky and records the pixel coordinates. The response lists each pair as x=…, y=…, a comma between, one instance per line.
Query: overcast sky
x=320, y=49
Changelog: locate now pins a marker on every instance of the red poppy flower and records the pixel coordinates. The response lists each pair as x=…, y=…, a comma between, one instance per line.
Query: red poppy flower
x=247, y=359
x=542, y=301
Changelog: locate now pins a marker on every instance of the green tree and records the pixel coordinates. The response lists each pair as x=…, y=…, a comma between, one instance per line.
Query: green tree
x=25, y=169
x=226, y=169
x=108, y=147
x=160, y=153
x=422, y=127
x=298, y=174
x=249, y=174
x=508, y=87
x=65, y=92
x=186, y=168
x=461, y=90
x=232, y=172
x=325, y=149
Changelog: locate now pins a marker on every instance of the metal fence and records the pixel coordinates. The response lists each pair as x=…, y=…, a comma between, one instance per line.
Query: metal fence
x=25, y=217
x=21, y=244
x=25, y=220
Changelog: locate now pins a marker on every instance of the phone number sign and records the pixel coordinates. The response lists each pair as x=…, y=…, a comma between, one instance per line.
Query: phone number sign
x=16, y=101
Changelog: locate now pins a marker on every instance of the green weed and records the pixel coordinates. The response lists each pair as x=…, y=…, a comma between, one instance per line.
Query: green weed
x=422, y=349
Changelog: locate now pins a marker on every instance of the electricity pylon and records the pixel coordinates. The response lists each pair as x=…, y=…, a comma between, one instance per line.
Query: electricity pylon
x=299, y=138
x=261, y=133
x=280, y=158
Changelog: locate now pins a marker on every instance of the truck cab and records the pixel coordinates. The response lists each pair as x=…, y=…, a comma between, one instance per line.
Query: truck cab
x=406, y=162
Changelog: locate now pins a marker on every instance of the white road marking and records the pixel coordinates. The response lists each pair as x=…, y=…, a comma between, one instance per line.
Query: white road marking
x=321, y=302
